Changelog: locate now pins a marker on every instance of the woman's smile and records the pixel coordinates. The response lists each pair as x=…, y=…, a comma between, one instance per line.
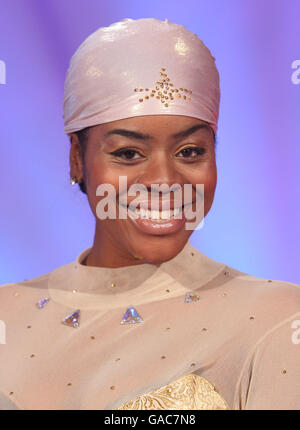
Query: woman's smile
x=169, y=218
x=157, y=222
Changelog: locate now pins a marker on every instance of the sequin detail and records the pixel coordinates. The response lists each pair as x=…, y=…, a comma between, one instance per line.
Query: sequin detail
x=42, y=303
x=131, y=316
x=191, y=297
x=164, y=91
x=189, y=392
x=72, y=320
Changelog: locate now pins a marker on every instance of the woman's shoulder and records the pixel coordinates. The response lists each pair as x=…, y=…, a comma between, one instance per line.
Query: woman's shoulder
x=19, y=299
x=14, y=291
x=222, y=275
x=37, y=280
x=259, y=284
x=270, y=298
x=36, y=285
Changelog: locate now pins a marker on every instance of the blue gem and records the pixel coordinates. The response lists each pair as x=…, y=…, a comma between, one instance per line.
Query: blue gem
x=131, y=316
x=41, y=303
x=191, y=297
x=72, y=320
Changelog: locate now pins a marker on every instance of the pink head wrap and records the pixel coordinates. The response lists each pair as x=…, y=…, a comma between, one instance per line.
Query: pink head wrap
x=140, y=67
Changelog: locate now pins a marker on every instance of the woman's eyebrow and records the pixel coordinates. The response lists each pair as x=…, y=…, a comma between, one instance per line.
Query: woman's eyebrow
x=128, y=133
x=140, y=136
x=190, y=131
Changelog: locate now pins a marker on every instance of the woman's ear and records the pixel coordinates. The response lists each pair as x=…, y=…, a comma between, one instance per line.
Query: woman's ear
x=76, y=159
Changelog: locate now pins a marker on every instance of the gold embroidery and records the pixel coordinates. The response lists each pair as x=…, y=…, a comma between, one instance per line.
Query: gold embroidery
x=189, y=392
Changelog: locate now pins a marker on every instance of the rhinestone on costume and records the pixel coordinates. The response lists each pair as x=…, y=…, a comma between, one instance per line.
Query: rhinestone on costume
x=72, y=320
x=164, y=84
x=131, y=316
x=42, y=303
x=191, y=297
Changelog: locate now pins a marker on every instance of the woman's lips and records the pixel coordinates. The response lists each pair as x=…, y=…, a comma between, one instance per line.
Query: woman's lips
x=158, y=226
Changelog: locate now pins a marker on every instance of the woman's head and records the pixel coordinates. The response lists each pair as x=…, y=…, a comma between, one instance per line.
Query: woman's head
x=140, y=67
x=142, y=103
x=148, y=150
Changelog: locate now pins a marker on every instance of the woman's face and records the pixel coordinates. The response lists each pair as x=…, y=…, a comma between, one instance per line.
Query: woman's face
x=149, y=150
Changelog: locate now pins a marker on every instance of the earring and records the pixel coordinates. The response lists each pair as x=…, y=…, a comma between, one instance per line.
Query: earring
x=73, y=180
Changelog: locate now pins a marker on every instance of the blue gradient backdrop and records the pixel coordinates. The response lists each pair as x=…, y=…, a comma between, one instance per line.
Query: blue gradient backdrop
x=254, y=222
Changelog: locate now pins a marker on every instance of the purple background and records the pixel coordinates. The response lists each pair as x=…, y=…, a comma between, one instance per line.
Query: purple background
x=254, y=222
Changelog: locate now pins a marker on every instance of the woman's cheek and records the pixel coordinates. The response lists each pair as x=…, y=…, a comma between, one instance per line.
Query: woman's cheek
x=208, y=178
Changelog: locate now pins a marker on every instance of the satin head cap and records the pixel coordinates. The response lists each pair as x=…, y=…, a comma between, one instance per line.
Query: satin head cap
x=140, y=67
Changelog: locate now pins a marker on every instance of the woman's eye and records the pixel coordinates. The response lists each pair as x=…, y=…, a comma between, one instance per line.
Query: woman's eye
x=127, y=154
x=191, y=152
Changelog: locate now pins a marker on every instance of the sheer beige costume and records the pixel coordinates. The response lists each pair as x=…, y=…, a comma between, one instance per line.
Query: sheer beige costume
x=237, y=347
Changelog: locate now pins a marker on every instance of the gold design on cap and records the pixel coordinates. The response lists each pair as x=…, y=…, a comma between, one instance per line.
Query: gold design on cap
x=163, y=86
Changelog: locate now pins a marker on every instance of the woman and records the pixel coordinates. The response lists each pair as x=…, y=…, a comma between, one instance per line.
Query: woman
x=142, y=319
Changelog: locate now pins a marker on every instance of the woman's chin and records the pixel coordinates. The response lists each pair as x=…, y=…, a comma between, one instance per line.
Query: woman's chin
x=158, y=249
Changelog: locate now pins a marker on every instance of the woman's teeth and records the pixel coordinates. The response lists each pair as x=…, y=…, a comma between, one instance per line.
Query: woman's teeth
x=157, y=215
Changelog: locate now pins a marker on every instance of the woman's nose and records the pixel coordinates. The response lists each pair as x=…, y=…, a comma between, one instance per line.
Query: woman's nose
x=161, y=170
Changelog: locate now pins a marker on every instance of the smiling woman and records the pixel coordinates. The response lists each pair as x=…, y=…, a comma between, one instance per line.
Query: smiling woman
x=142, y=319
